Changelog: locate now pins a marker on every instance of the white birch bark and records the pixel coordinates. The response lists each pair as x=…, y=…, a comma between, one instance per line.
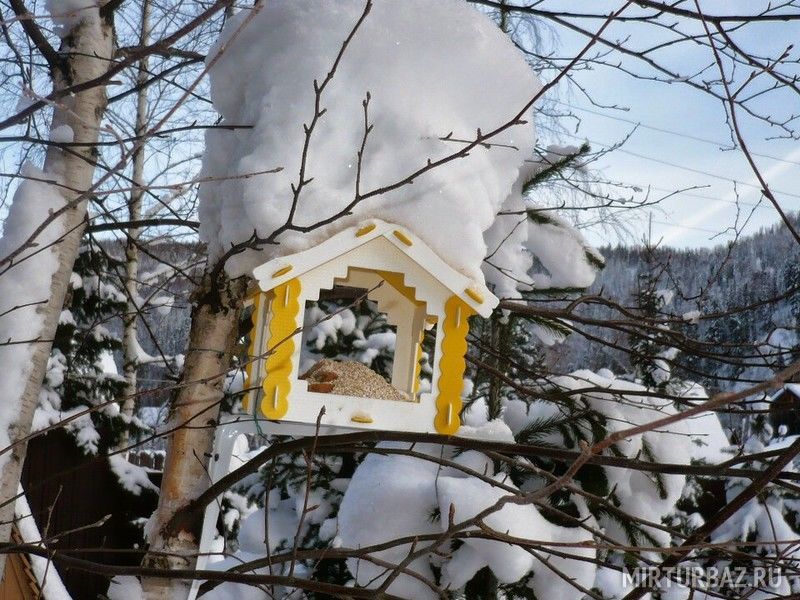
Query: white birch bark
x=130, y=355
x=214, y=328
x=87, y=51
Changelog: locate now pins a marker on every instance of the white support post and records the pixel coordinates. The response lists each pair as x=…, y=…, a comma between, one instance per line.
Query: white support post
x=224, y=442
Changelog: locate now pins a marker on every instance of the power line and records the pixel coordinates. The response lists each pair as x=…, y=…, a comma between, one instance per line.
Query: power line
x=672, y=132
x=684, y=167
x=695, y=228
x=679, y=226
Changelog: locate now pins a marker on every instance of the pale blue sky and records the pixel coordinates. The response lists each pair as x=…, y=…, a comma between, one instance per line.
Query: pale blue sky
x=666, y=161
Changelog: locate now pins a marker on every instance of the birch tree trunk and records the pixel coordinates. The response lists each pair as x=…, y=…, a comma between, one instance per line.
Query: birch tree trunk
x=86, y=53
x=214, y=328
x=130, y=343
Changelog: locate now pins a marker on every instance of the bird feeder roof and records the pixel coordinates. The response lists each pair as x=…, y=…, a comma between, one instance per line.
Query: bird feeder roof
x=282, y=269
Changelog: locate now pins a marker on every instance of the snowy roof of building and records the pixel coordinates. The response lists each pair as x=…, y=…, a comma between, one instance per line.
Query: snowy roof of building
x=792, y=388
x=281, y=269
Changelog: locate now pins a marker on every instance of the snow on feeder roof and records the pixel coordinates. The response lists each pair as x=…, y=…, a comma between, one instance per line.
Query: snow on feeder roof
x=411, y=284
x=437, y=71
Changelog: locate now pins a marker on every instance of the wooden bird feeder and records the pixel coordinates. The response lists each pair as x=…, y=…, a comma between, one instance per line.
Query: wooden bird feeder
x=415, y=289
x=410, y=283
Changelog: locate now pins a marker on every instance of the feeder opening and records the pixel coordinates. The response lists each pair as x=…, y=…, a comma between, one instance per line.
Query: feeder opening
x=348, y=346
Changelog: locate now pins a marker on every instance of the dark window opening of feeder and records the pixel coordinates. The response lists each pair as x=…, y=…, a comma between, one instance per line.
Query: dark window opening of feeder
x=348, y=345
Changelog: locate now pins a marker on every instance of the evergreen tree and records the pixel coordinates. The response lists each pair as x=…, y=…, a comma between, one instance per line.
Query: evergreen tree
x=509, y=346
x=649, y=354
x=791, y=281
x=81, y=372
x=82, y=380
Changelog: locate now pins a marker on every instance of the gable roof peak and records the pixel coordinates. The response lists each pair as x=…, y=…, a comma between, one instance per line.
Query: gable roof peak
x=281, y=269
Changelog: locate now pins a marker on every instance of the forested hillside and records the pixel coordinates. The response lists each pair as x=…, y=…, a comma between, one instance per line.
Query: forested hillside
x=735, y=279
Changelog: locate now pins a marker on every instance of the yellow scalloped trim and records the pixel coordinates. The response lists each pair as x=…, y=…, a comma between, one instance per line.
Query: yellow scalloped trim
x=397, y=281
x=452, y=365
x=282, y=325
x=252, y=351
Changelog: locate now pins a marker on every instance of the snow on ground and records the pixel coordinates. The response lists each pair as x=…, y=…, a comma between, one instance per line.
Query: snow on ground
x=432, y=71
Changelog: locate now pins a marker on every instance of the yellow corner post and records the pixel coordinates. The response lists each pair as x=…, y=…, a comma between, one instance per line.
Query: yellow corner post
x=455, y=327
x=283, y=323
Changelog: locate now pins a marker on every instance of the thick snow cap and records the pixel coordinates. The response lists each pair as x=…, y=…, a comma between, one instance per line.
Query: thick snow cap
x=433, y=69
